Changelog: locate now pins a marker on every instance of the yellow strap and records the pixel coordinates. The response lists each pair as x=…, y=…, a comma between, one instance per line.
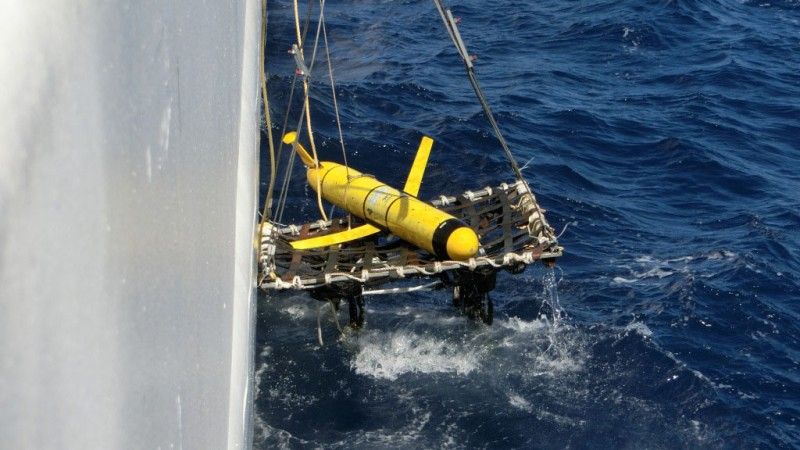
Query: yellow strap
x=414, y=180
x=336, y=238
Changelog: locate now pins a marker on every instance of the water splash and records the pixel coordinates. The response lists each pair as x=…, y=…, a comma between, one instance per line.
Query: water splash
x=556, y=349
x=387, y=355
x=550, y=309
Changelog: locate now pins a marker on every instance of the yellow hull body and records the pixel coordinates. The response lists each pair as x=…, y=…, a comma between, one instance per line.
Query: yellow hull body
x=403, y=215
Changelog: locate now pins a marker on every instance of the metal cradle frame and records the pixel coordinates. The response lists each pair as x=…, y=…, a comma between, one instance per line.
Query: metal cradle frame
x=508, y=219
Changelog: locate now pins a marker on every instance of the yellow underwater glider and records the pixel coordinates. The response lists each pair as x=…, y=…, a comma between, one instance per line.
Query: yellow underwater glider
x=457, y=241
x=386, y=208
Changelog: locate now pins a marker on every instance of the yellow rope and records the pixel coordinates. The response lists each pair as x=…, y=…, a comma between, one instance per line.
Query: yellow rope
x=265, y=213
x=267, y=117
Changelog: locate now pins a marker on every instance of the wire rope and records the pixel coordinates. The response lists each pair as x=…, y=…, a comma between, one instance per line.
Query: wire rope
x=336, y=113
x=455, y=36
x=333, y=95
x=288, y=171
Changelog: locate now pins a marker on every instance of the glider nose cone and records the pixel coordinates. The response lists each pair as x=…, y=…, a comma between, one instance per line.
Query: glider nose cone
x=462, y=244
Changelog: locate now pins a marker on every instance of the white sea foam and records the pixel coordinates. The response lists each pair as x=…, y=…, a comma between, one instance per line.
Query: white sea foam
x=639, y=328
x=556, y=360
x=546, y=349
x=390, y=355
x=295, y=312
x=656, y=272
x=411, y=433
x=651, y=268
x=522, y=326
x=621, y=280
x=626, y=31
x=262, y=368
x=519, y=402
x=277, y=438
x=548, y=416
x=722, y=254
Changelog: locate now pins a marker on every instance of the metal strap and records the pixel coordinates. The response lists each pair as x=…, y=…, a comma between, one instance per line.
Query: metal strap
x=369, y=255
x=470, y=211
x=333, y=259
x=506, y=221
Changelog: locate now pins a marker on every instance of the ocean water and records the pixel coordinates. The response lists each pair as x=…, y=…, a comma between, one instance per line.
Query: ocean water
x=663, y=135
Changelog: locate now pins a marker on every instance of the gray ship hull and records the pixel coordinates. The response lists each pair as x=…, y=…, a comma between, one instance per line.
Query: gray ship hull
x=128, y=191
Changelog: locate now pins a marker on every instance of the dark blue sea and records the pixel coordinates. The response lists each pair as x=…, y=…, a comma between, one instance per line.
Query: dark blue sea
x=662, y=137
